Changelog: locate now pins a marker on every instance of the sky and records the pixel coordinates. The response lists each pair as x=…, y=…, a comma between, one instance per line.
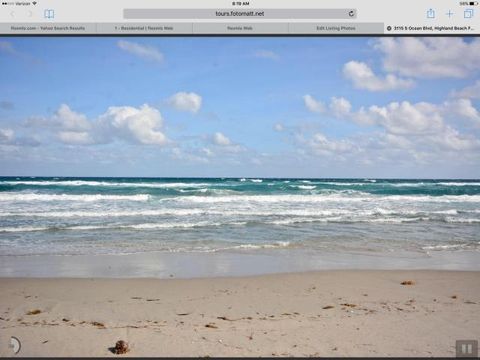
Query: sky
x=240, y=107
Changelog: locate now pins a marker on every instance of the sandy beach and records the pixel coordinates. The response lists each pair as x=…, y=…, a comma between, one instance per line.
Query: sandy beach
x=325, y=313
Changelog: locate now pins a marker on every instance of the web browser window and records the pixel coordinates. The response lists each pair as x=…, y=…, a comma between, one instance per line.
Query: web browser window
x=239, y=178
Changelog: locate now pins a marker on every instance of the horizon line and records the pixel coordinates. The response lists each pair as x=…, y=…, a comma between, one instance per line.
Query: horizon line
x=235, y=177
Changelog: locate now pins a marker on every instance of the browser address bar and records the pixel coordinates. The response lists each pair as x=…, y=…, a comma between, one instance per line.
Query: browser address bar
x=243, y=13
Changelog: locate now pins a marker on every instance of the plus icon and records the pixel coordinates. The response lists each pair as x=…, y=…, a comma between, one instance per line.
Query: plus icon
x=449, y=13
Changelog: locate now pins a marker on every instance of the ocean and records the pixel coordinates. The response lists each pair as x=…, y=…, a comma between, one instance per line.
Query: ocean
x=95, y=216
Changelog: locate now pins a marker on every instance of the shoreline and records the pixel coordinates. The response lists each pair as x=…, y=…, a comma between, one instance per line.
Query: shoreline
x=317, y=313
x=162, y=265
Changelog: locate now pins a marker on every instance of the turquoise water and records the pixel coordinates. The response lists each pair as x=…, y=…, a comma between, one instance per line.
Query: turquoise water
x=69, y=216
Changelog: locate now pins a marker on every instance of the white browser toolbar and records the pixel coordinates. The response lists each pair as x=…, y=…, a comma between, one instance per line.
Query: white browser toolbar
x=232, y=17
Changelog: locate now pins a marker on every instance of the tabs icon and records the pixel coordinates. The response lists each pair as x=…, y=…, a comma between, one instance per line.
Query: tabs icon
x=468, y=13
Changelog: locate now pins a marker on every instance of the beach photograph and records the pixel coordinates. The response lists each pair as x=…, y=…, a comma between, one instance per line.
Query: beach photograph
x=239, y=197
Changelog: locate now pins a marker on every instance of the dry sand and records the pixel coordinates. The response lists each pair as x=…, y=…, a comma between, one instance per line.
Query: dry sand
x=326, y=313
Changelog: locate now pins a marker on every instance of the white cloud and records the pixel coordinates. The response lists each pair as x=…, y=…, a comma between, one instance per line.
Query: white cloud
x=225, y=145
x=221, y=140
x=70, y=120
x=207, y=151
x=140, y=125
x=384, y=148
x=6, y=135
x=417, y=118
x=452, y=139
x=135, y=125
x=313, y=105
x=11, y=138
x=430, y=57
x=184, y=101
x=397, y=141
x=144, y=51
x=462, y=108
x=363, y=77
x=420, y=132
x=278, y=127
x=469, y=92
x=403, y=118
x=75, y=138
x=321, y=145
x=183, y=155
x=340, y=106
x=266, y=54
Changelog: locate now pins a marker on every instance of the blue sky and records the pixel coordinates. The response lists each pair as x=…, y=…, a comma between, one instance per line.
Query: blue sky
x=272, y=107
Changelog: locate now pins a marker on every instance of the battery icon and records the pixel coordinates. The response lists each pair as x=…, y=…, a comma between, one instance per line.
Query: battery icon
x=473, y=3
